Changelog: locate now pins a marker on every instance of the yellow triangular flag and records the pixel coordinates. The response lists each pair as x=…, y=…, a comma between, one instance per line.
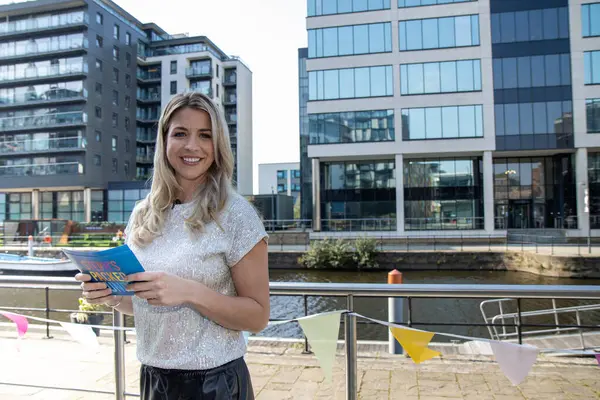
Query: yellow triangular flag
x=322, y=333
x=415, y=343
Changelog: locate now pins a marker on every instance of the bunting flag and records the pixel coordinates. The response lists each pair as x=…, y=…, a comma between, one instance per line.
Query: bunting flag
x=598, y=358
x=415, y=343
x=19, y=320
x=83, y=333
x=515, y=360
x=322, y=332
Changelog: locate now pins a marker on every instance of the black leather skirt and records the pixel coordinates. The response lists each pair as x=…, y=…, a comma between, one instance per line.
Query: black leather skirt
x=230, y=381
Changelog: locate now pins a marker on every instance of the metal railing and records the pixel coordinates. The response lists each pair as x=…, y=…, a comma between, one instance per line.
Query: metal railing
x=44, y=22
x=344, y=290
x=499, y=320
x=34, y=145
x=359, y=224
x=42, y=120
x=32, y=48
x=66, y=168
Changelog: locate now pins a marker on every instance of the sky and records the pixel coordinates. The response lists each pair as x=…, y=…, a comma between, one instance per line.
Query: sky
x=266, y=34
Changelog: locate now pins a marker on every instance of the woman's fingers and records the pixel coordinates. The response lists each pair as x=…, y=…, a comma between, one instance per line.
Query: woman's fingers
x=83, y=277
x=96, y=294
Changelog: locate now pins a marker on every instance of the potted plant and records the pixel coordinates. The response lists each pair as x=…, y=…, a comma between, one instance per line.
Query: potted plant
x=86, y=314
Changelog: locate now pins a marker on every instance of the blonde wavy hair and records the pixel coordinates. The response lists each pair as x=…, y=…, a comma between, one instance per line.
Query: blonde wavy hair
x=211, y=197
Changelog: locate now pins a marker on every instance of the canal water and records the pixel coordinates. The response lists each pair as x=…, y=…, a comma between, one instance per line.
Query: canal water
x=450, y=315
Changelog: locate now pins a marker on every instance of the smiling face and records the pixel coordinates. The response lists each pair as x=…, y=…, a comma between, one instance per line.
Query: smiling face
x=190, y=150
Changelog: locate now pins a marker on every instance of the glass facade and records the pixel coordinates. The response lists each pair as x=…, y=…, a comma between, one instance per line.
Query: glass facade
x=536, y=192
x=530, y=25
x=532, y=71
x=358, y=190
x=442, y=122
x=44, y=21
x=544, y=125
x=591, y=60
x=306, y=196
x=18, y=206
x=443, y=194
x=592, y=109
x=3, y=203
x=350, y=40
x=350, y=83
x=437, y=33
x=419, y=3
x=41, y=141
x=532, y=75
x=329, y=7
x=38, y=166
x=594, y=189
x=121, y=203
x=590, y=19
x=440, y=77
x=352, y=127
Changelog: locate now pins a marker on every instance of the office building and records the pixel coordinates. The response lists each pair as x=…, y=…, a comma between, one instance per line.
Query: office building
x=453, y=116
x=279, y=178
x=82, y=83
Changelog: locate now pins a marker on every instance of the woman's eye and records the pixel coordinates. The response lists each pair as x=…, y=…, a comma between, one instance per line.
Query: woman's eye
x=205, y=136
x=178, y=134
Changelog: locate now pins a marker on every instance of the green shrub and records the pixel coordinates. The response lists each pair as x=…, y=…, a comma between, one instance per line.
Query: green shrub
x=338, y=253
x=365, y=250
x=327, y=253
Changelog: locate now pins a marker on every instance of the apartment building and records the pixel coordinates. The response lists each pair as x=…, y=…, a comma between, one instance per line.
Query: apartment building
x=453, y=116
x=82, y=83
x=279, y=178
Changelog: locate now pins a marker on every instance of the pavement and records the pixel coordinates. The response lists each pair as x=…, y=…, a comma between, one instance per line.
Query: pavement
x=280, y=371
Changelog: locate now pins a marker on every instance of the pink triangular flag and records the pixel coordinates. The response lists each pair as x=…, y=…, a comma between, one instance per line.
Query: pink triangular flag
x=515, y=360
x=598, y=358
x=19, y=320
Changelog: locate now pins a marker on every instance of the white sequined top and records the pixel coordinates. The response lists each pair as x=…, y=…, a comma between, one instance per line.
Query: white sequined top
x=180, y=337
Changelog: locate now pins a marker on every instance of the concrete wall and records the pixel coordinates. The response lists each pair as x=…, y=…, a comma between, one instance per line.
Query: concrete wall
x=244, y=130
x=267, y=176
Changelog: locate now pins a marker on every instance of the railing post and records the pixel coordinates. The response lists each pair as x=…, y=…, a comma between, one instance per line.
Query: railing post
x=306, y=350
x=350, y=328
x=119, y=339
x=395, y=311
x=47, y=296
x=580, y=330
x=519, y=328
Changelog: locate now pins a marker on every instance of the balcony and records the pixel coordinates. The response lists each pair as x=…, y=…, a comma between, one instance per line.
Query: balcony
x=32, y=50
x=230, y=80
x=230, y=100
x=199, y=73
x=67, y=168
x=43, y=121
x=204, y=90
x=34, y=74
x=148, y=97
x=146, y=118
x=148, y=77
x=144, y=159
x=44, y=24
x=50, y=96
x=42, y=145
x=145, y=138
x=231, y=119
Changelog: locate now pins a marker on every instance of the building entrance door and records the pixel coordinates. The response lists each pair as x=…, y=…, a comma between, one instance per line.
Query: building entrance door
x=519, y=215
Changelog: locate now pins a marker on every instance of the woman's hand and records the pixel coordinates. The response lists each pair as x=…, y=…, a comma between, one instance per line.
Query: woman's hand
x=160, y=288
x=95, y=292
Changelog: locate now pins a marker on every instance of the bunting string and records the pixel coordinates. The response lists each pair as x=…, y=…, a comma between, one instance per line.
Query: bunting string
x=322, y=332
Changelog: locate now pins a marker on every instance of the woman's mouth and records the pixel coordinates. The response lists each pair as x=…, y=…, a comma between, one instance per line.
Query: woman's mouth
x=191, y=160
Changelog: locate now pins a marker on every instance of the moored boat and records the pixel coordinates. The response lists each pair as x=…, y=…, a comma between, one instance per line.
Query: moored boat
x=18, y=263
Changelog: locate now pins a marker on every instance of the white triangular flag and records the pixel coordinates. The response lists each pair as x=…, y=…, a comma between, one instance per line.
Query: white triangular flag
x=246, y=336
x=82, y=333
x=322, y=332
x=515, y=360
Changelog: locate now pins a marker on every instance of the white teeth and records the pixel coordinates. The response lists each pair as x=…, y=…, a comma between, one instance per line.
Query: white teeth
x=191, y=160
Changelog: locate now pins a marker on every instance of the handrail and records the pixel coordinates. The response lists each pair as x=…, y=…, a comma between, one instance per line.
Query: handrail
x=350, y=291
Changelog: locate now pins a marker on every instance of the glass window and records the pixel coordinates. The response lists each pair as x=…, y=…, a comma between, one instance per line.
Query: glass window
x=462, y=31
x=522, y=26
x=361, y=39
x=439, y=32
x=550, y=18
x=443, y=122
x=432, y=78
x=536, y=30
x=592, y=67
x=430, y=34
x=499, y=114
x=331, y=84
x=508, y=30
x=330, y=42
x=416, y=123
x=352, y=126
x=362, y=78
x=376, y=38
x=418, y=3
x=448, y=76
x=328, y=7
x=538, y=71
x=347, y=83
x=414, y=35
x=524, y=72
x=539, y=118
x=552, y=70
x=344, y=6
x=345, y=41
x=592, y=107
x=509, y=73
x=590, y=19
x=415, y=78
x=378, y=81
x=526, y=118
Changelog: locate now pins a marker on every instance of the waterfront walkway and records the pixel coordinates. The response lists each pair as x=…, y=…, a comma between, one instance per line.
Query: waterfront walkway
x=280, y=371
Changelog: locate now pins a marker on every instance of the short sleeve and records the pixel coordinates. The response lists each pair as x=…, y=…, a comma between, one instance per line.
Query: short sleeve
x=244, y=229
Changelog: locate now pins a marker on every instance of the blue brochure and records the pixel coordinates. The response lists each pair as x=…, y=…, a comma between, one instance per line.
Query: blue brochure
x=110, y=266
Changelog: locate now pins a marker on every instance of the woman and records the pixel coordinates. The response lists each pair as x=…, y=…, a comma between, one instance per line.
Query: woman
x=204, y=251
